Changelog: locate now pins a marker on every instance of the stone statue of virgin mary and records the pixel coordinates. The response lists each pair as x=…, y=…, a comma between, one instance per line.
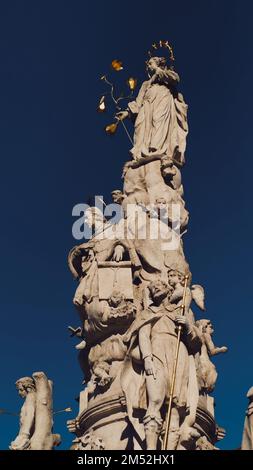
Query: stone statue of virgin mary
x=160, y=115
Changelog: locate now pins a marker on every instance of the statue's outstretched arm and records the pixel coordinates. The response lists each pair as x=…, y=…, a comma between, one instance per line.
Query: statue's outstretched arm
x=212, y=349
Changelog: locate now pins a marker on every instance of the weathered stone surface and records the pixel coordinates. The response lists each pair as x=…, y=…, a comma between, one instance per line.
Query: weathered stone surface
x=113, y=276
x=36, y=416
x=145, y=358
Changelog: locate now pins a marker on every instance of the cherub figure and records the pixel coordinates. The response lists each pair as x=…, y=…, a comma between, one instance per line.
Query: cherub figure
x=118, y=307
x=208, y=371
x=195, y=292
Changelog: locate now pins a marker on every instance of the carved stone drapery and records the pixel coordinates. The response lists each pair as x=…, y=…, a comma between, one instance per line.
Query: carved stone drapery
x=135, y=294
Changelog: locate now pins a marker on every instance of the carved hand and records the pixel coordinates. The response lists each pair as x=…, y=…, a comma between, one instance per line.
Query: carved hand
x=223, y=349
x=118, y=253
x=73, y=425
x=125, y=169
x=182, y=320
x=149, y=366
x=220, y=433
x=122, y=115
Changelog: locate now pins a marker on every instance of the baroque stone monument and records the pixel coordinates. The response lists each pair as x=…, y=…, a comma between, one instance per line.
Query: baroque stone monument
x=36, y=416
x=144, y=348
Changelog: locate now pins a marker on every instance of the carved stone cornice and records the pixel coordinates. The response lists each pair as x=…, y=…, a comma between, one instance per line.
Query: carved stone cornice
x=103, y=412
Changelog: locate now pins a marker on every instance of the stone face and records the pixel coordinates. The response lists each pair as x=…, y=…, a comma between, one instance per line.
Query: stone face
x=36, y=416
x=146, y=360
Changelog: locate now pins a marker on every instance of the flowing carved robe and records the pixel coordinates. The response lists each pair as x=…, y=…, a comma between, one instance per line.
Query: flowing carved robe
x=161, y=119
x=163, y=340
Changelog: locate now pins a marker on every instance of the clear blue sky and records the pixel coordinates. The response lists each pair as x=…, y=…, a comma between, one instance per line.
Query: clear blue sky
x=55, y=154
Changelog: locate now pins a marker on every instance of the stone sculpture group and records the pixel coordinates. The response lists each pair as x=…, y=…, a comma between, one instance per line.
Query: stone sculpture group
x=143, y=345
x=135, y=293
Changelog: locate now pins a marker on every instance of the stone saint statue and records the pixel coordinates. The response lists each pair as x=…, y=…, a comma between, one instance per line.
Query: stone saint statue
x=36, y=416
x=160, y=115
x=155, y=331
x=160, y=130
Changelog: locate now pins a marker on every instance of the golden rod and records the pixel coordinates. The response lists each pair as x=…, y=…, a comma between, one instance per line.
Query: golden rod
x=65, y=410
x=127, y=133
x=168, y=416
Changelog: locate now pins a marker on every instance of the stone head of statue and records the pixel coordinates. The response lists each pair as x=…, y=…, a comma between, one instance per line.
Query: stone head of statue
x=154, y=63
x=161, y=207
x=24, y=386
x=116, y=298
x=175, y=277
x=159, y=290
x=161, y=202
x=205, y=326
x=117, y=196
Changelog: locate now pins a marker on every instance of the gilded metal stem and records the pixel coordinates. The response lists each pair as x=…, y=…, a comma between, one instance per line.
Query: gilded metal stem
x=168, y=416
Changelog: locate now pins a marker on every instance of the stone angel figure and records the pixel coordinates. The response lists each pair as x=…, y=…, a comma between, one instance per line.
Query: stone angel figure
x=36, y=421
x=26, y=389
x=208, y=373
